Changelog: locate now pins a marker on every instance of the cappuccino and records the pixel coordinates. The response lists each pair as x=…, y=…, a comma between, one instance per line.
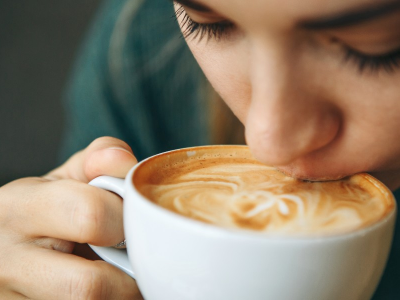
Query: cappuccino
x=268, y=236
x=229, y=188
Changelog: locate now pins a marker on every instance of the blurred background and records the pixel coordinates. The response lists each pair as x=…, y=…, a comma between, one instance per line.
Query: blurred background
x=38, y=42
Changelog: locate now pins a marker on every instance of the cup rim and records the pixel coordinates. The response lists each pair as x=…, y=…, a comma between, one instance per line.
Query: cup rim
x=211, y=229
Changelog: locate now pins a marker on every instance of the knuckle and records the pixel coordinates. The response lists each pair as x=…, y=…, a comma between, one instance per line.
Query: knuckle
x=88, y=284
x=88, y=215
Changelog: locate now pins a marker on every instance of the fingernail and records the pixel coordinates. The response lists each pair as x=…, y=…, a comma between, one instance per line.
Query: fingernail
x=121, y=149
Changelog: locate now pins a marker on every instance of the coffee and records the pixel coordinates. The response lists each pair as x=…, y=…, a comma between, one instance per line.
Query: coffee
x=231, y=189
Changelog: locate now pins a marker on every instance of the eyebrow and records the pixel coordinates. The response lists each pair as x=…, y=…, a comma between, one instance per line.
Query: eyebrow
x=193, y=4
x=345, y=19
x=353, y=17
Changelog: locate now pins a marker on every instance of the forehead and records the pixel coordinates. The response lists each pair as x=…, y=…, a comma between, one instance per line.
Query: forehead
x=283, y=12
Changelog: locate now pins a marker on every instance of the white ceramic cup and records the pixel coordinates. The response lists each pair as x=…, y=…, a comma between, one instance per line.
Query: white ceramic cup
x=174, y=257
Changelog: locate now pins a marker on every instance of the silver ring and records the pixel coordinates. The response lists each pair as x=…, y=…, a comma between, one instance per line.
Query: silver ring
x=121, y=245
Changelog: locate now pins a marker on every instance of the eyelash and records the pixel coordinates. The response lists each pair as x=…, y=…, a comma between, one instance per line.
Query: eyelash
x=200, y=31
x=389, y=62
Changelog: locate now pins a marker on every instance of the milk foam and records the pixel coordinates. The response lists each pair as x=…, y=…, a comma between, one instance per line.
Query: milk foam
x=256, y=197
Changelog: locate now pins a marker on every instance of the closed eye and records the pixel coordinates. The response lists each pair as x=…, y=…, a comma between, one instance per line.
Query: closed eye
x=199, y=31
x=389, y=62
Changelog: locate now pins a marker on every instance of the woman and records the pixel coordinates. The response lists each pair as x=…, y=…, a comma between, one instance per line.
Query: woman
x=315, y=84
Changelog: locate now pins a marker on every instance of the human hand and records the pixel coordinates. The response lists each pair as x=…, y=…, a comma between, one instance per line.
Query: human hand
x=42, y=218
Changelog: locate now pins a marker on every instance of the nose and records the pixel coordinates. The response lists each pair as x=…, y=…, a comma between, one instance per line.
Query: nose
x=289, y=115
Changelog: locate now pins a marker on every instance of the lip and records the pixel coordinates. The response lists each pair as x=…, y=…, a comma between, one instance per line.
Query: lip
x=305, y=172
x=325, y=164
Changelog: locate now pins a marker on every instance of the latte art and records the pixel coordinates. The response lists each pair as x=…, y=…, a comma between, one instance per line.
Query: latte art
x=244, y=194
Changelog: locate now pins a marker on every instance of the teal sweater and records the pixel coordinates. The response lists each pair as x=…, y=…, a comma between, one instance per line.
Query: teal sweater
x=136, y=80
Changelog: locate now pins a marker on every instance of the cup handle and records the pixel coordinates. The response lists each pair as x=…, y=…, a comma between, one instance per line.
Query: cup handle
x=116, y=257
x=110, y=183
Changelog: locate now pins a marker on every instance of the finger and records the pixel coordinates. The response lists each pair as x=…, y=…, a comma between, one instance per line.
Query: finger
x=55, y=244
x=48, y=275
x=104, y=156
x=12, y=295
x=68, y=210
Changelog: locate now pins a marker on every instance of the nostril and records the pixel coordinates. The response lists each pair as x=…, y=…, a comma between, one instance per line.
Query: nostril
x=268, y=147
x=271, y=153
x=279, y=144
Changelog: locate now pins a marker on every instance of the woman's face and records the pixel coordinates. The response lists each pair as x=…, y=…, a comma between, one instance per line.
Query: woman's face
x=315, y=82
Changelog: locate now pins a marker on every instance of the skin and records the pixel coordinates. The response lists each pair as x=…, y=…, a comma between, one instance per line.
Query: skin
x=305, y=111
x=40, y=217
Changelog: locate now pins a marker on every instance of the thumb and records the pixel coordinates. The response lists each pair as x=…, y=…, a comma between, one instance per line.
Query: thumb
x=104, y=156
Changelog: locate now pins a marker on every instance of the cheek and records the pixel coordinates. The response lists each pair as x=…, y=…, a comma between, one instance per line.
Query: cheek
x=226, y=66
